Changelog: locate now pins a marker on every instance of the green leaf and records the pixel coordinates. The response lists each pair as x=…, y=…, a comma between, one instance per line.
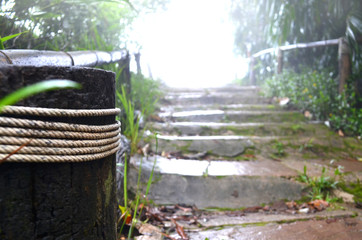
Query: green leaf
x=36, y=88
x=4, y=39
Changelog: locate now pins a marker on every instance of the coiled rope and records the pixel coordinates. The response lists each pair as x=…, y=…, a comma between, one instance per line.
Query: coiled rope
x=56, y=141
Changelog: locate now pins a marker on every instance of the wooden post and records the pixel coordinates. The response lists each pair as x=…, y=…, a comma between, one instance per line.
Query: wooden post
x=252, y=71
x=60, y=200
x=137, y=57
x=125, y=77
x=280, y=61
x=344, y=63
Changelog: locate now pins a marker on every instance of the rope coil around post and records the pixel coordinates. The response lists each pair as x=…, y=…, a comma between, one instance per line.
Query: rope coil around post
x=47, y=141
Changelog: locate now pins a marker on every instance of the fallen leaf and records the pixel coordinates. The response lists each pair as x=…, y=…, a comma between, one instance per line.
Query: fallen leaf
x=284, y=101
x=155, y=118
x=125, y=215
x=252, y=209
x=319, y=204
x=340, y=133
x=149, y=232
x=146, y=149
x=307, y=114
x=291, y=205
x=180, y=230
x=185, y=209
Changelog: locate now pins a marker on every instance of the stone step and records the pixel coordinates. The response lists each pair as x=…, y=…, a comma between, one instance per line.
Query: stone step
x=193, y=107
x=234, y=116
x=222, y=191
x=280, y=148
x=246, y=129
x=330, y=224
x=227, y=89
x=215, y=98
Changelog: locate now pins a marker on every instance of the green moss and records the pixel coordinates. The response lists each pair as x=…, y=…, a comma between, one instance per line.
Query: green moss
x=108, y=186
x=219, y=209
x=257, y=224
x=184, y=148
x=220, y=177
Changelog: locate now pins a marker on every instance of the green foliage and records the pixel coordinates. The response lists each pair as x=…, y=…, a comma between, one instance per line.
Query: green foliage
x=145, y=93
x=131, y=125
x=317, y=92
x=346, y=116
x=268, y=23
x=4, y=39
x=355, y=189
x=36, y=88
x=322, y=185
x=137, y=209
x=71, y=24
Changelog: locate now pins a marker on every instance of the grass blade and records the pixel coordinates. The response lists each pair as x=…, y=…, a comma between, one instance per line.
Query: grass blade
x=36, y=88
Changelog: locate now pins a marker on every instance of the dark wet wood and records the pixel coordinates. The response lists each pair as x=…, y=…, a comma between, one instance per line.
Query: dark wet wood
x=60, y=200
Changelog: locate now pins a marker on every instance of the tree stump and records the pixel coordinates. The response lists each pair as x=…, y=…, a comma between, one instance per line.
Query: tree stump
x=60, y=200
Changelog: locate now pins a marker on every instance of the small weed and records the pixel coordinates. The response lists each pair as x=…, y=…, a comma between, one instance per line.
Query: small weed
x=306, y=146
x=206, y=172
x=321, y=186
x=279, y=149
x=131, y=126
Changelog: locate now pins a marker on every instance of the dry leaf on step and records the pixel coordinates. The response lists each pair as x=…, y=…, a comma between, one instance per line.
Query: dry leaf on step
x=340, y=133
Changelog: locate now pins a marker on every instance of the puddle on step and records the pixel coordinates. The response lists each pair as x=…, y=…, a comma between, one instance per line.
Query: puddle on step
x=221, y=137
x=213, y=168
x=216, y=124
x=195, y=167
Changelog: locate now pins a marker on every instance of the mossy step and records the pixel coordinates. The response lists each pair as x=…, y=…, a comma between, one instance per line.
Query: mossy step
x=193, y=107
x=235, y=116
x=322, y=147
x=215, y=191
x=228, y=89
x=211, y=99
x=246, y=129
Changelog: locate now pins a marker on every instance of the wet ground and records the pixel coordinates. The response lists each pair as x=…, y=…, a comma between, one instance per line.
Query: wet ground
x=231, y=148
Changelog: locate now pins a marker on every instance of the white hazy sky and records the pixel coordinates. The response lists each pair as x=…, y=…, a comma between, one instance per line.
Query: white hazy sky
x=190, y=44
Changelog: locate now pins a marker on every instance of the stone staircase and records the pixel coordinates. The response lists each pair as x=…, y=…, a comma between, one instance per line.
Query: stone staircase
x=231, y=148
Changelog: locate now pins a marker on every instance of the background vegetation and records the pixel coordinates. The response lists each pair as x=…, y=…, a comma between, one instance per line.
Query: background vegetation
x=310, y=79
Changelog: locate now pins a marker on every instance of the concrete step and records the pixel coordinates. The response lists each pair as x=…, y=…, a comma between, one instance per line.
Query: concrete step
x=215, y=98
x=332, y=224
x=224, y=107
x=234, y=145
x=206, y=190
x=246, y=129
x=228, y=89
x=234, y=116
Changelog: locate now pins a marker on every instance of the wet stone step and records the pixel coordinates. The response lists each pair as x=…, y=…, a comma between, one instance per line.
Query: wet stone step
x=193, y=107
x=215, y=191
x=248, y=98
x=227, y=89
x=336, y=224
x=190, y=167
x=304, y=147
x=234, y=116
x=228, y=146
x=246, y=129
